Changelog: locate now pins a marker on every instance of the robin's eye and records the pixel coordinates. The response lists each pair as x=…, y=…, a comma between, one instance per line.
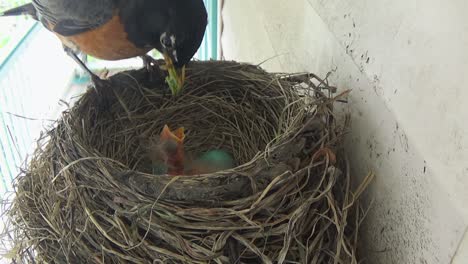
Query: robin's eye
x=166, y=41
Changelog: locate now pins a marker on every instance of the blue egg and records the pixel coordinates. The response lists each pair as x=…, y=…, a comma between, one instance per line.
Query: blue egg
x=218, y=159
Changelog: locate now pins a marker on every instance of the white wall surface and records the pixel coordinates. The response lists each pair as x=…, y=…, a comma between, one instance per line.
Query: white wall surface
x=407, y=65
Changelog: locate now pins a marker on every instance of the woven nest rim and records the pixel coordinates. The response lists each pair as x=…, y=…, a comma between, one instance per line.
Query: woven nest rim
x=296, y=182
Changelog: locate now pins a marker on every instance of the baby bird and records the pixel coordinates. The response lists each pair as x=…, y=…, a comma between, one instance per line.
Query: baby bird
x=168, y=156
x=167, y=153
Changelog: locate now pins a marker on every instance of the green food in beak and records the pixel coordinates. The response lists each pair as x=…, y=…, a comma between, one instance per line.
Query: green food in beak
x=175, y=79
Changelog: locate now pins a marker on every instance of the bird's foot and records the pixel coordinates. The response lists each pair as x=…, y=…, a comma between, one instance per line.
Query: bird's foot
x=98, y=82
x=104, y=74
x=152, y=67
x=100, y=86
x=148, y=61
x=104, y=94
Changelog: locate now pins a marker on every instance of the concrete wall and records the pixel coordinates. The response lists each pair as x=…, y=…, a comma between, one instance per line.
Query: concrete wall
x=407, y=64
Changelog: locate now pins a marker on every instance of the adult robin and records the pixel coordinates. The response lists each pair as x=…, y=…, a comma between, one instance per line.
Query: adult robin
x=121, y=29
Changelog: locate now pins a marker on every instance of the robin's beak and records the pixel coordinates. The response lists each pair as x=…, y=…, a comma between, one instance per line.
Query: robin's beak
x=176, y=77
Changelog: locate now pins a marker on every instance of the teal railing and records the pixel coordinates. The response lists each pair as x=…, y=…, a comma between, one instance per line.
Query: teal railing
x=15, y=137
x=17, y=84
x=209, y=48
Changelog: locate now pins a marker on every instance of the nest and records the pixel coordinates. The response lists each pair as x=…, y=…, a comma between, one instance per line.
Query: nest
x=88, y=195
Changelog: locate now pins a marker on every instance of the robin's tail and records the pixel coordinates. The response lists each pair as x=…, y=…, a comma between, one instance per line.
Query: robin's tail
x=27, y=9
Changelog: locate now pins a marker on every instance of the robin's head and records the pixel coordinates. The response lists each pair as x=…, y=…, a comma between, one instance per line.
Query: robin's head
x=173, y=27
x=180, y=39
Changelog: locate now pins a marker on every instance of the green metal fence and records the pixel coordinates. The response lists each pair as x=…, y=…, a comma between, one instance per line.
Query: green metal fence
x=209, y=47
x=17, y=86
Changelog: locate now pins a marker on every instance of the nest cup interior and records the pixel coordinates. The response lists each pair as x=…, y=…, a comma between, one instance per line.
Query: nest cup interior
x=222, y=107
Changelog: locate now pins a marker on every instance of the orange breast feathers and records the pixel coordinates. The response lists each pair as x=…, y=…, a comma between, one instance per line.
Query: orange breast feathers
x=107, y=42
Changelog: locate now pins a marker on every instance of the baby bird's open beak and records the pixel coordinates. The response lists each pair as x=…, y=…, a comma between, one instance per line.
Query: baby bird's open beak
x=177, y=135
